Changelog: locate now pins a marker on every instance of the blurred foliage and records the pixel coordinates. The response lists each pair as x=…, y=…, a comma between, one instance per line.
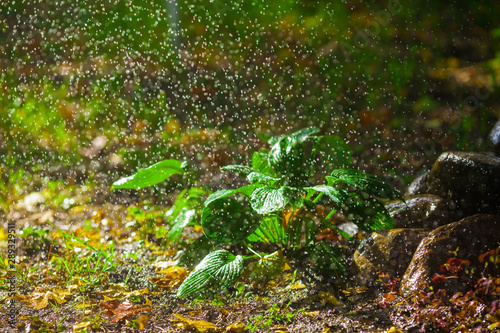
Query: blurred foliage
x=115, y=85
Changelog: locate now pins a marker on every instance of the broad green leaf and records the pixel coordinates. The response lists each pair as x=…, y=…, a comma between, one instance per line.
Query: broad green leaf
x=299, y=136
x=260, y=164
x=270, y=230
x=287, y=153
x=257, y=177
x=226, y=222
x=266, y=200
x=333, y=150
x=366, y=183
x=216, y=272
x=149, y=176
x=185, y=217
x=241, y=170
x=293, y=195
x=246, y=190
x=338, y=196
x=368, y=213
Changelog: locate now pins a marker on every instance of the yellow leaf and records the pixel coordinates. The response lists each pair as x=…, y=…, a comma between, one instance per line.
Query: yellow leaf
x=199, y=325
x=148, y=302
x=115, y=291
x=142, y=321
x=296, y=286
x=236, y=327
x=326, y=330
x=172, y=276
x=394, y=329
x=40, y=298
x=312, y=314
x=84, y=325
x=328, y=297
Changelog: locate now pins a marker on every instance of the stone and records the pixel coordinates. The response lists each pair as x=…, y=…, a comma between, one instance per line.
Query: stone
x=422, y=211
x=418, y=186
x=385, y=251
x=470, y=179
x=495, y=138
x=472, y=236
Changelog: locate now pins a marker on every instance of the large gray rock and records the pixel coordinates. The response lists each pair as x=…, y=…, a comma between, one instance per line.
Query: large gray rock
x=470, y=179
x=472, y=236
x=422, y=211
x=385, y=251
x=495, y=138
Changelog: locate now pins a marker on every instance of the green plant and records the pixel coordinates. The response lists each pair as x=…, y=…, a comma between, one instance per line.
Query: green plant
x=272, y=316
x=274, y=206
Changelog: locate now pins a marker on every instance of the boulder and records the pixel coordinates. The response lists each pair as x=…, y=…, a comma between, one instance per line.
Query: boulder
x=418, y=186
x=495, y=138
x=385, y=251
x=472, y=236
x=470, y=179
x=422, y=211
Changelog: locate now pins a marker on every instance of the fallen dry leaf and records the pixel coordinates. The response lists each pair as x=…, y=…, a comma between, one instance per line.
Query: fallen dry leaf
x=84, y=325
x=41, y=297
x=142, y=321
x=172, y=276
x=237, y=327
x=119, y=311
x=199, y=325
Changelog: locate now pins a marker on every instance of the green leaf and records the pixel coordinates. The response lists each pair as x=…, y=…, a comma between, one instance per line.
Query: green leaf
x=266, y=200
x=287, y=153
x=241, y=170
x=217, y=271
x=294, y=196
x=246, y=190
x=184, y=217
x=226, y=222
x=149, y=176
x=338, y=196
x=368, y=213
x=260, y=164
x=257, y=177
x=366, y=183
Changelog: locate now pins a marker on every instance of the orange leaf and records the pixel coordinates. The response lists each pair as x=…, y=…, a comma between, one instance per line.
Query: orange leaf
x=121, y=310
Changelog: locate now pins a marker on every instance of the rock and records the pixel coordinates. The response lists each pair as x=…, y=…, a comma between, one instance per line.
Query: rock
x=385, y=251
x=419, y=185
x=472, y=236
x=495, y=138
x=470, y=179
x=421, y=211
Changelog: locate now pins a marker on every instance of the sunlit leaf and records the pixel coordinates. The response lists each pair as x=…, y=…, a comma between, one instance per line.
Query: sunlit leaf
x=227, y=222
x=260, y=164
x=149, y=176
x=184, y=218
x=266, y=200
x=338, y=196
x=366, y=183
x=246, y=190
x=217, y=271
x=257, y=177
